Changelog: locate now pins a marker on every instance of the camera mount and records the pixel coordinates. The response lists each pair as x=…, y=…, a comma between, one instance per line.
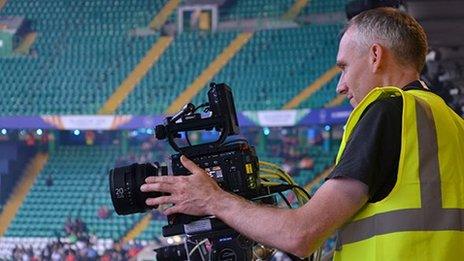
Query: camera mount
x=223, y=119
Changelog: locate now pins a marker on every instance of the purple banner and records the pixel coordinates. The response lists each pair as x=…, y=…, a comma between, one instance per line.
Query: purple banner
x=332, y=116
x=24, y=122
x=337, y=115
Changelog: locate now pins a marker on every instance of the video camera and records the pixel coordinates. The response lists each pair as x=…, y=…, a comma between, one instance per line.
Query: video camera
x=234, y=165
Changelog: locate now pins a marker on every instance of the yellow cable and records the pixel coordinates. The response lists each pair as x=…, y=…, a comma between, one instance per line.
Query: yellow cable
x=279, y=175
x=272, y=173
x=279, y=171
x=274, y=169
x=301, y=197
x=270, y=164
x=270, y=176
x=266, y=183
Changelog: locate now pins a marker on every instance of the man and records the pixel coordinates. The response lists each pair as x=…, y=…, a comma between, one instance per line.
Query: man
x=397, y=189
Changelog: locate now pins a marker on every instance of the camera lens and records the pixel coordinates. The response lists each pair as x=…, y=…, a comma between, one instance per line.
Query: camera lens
x=125, y=185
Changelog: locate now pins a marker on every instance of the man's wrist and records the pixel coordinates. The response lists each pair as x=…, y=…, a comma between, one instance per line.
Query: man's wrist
x=220, y=202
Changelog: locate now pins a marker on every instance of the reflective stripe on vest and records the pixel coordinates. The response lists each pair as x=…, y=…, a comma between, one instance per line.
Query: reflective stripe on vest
x=431, y=216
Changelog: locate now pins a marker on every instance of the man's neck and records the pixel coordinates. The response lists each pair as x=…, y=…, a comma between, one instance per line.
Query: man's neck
x=400, y=78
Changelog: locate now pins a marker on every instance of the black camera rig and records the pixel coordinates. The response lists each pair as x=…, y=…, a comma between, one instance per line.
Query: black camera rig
x=234, y=165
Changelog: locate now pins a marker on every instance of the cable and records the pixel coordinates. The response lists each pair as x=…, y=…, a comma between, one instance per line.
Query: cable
x=197, y=246
x=271, y=168
x=271, y=174
x=278, y=169
x=278, y=174
x=275, y=187
x=303, y=190
x=192, y=111
x=187, y=138
x=302, y=198
x=280, y=193
x=285, y=199
x=206, y=104
x=270, y=184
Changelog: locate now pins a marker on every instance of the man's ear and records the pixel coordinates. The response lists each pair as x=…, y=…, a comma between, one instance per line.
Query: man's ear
x=376, y=57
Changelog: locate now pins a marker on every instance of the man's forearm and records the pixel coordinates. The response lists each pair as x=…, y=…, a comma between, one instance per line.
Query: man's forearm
x=274, y=227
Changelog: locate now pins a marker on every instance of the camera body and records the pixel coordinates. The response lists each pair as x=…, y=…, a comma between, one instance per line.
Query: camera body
x=234, y=165
x=235, y=168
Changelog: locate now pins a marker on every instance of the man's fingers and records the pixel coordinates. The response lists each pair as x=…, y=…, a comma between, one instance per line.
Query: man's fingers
x=160, y=187
x=159, y=200
x=172, y=210
x=163, y=179
x=190, y=165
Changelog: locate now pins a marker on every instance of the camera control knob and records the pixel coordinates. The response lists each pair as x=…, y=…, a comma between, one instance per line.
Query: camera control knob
x=160, y=132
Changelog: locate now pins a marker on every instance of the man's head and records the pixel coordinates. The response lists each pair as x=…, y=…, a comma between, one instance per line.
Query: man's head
x=382, y=46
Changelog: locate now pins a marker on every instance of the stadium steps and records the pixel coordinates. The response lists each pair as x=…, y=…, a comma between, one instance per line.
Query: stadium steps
x=136, y=75
x=218, y=63
x=312, y=88
x=335, y=102
x=26, y=44
x=21, y=190
x=163, y=15
x=295, y=10
x=138, y=228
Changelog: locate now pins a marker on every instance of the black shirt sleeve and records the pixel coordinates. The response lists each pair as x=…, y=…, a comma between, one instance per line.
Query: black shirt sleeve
x=372, y=152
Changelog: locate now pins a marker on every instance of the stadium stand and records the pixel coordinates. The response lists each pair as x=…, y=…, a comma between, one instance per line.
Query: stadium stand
x=85, y=49
x=182, y=62
x=324, y=6
x=165, y=14
x=80, y=187
x=14, y=159
x=133, y=79
x=292, y=154
x=83, y=52
x=21, y=189
x=208, y=73
x=92, y=46
x=276, y=64
x=246, y=9
x=323, y=96
x=313, y=88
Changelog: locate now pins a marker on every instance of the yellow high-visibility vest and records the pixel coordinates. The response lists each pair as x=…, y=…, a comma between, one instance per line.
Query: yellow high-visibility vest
x=423, y=216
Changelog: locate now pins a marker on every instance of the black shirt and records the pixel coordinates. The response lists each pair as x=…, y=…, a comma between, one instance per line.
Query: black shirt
x=372, y=152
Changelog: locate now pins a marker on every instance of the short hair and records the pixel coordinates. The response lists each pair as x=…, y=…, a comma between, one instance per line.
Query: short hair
x=395, y=29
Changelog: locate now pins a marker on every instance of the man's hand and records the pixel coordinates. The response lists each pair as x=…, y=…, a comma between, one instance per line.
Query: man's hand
x=193, y=194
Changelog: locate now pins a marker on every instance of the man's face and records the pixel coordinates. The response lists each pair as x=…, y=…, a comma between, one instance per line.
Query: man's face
x=357, y=79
